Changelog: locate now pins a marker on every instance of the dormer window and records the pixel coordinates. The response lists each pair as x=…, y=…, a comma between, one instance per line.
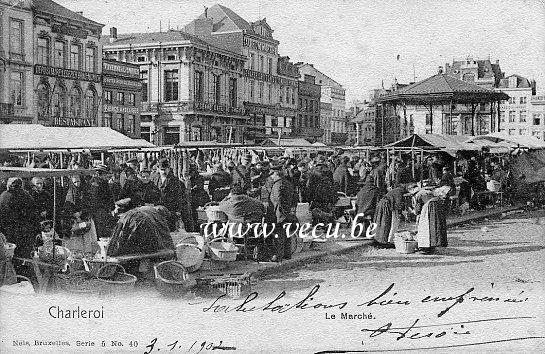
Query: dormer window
x=171, y=57
x=141, y=58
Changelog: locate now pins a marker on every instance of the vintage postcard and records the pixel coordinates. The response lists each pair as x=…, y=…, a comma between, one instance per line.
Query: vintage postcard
x=353, y=176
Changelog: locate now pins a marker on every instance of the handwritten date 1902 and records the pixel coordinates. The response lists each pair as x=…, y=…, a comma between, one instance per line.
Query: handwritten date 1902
x=196, y=347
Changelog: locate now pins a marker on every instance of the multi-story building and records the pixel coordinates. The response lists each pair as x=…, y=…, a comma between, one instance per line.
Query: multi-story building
x=326, y=116
x=121, y=96
x=480, y=72
x=288, y=97
x=262, y=82
x=68, y=66
x=191, y=89
x=16, y=57
x=308, y=121
x=334, y=93
x=523, y=113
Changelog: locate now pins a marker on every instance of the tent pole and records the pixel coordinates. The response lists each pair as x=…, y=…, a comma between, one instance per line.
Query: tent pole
x=412, y=161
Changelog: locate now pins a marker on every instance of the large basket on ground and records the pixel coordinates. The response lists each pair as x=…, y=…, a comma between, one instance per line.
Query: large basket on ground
x=221, y=250
x=232, y=285
x=404, y=246
x=171, y=278
x=190, y=256
x=93, y=266
x=79, y=282
x=118, y=283
x=213, y=213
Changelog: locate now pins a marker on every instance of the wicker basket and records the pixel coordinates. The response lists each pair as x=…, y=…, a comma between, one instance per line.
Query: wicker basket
x=213, y=213
x=93, y=266
x=190, y=256
x=79, y=282
x=118, y=283
x=171, y=278
x=403, y=246
x=232, y=285
x=222, y=251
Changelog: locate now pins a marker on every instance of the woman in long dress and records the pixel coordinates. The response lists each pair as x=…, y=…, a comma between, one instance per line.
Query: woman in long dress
x=387, y=216
x=432, y=222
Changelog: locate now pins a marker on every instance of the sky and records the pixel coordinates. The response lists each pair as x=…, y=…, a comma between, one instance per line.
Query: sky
x=357, y=43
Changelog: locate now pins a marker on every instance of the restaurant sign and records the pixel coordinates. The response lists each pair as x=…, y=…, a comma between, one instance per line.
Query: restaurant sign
x=117, y=82
x=72, y=122
x=66, y=73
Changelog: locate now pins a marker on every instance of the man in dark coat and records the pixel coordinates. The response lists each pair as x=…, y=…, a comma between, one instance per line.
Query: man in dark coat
x=149, y=192
x=340, y=176
x=281, y=210
x=320, y=190
x=367, y=200
x=219, y=184
x=100, y=202
x=19, y=222
x=240, y=207
x=172, y=192
x=131, y=188
x=241, y=175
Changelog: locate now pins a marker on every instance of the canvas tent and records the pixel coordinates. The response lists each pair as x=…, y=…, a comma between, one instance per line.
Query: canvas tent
x=523, y=141
x=36, y=137
x=449, y=143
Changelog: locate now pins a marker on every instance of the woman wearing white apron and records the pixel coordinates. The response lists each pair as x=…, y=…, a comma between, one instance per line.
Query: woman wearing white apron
x=432, y=223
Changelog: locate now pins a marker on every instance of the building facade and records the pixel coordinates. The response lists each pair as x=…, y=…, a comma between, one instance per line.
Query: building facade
x=191, y=89
x=336, y=132
x=308, y=121
x=67, y=66
x=523, y=113
x=16, y=58
x=121, y=97
x=266, y=88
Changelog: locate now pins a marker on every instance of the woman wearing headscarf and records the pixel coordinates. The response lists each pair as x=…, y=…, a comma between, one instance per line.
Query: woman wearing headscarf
x=18, y=221
x=388, y=214
x=367, y=199
x=432, y=222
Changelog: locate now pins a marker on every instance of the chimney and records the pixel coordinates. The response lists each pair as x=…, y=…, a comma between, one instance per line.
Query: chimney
x=205, y=12
x=440, y=69
x=113, y=34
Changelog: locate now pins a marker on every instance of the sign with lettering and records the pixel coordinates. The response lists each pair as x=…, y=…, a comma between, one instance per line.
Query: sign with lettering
x=118, y=68
x=69, y=31
x=73, y=122
x=66, y=73
x=269, y=78
x=120, y=109
x=257, y=45
x=117, y=82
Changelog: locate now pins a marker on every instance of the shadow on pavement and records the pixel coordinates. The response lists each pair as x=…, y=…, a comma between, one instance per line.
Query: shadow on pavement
x=454, y=252
x=459, y=242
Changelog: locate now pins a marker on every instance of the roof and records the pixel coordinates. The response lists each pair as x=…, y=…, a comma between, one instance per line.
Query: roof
x=485, y=68
x=39, y=137
x=522, y=82
x=51, y=7
x=225, y=19
x=300, y=142
x=447, y=143
x=443, y=86
x=525, y=141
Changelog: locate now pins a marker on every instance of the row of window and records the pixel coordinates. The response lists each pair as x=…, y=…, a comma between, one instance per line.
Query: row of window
x=119, y=123
x=287, y=90
x=258, y=64
x=60, y=102
x=121, y=98
x=309, y=105
x=522, y=100
x=66, y=55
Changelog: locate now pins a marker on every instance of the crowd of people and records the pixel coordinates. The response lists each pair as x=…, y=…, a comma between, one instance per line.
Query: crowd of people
x=248, y=188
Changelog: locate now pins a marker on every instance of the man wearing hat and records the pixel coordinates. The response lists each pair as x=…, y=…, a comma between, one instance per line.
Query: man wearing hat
x=172, y=192
x=100, y=201
x=321, y=192
x=281, y=210
x=241, y=174
x=220, y=183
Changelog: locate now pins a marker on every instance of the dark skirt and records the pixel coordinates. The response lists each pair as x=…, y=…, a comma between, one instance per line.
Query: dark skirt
x=383, y=219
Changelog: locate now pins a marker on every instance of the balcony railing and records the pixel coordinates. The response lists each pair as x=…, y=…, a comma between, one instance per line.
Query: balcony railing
x=191, y=106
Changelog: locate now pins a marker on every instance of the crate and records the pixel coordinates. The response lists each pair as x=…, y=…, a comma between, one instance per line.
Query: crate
x=234, y=286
